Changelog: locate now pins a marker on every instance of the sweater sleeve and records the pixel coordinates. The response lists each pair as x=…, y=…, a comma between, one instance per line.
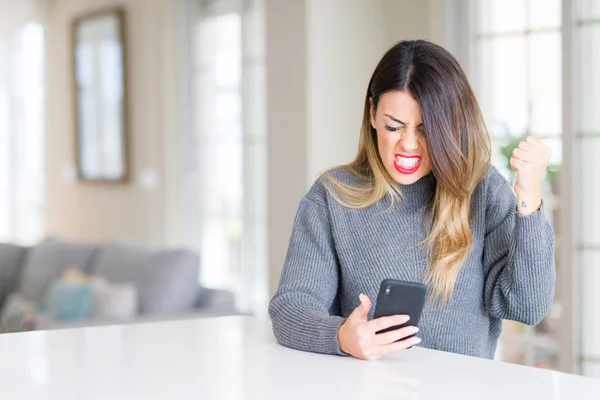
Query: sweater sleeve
x=518, y=258
x=302, y=307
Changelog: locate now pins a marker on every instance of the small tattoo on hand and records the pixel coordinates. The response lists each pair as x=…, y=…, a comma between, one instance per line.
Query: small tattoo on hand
x=523, y=204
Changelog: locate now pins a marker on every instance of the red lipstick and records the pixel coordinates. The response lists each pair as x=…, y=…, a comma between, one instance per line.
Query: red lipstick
x=403, y=169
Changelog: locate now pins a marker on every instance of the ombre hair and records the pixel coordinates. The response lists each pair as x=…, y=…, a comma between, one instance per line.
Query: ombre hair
x=459, y=148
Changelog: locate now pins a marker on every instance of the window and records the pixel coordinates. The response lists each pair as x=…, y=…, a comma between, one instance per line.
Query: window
x=586, y=79
x=21, y=135
x=218, y=123
x=516, y=55
x=224, y=163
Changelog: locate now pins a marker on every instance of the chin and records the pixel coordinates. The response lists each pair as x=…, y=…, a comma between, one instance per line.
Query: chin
x=406, y=179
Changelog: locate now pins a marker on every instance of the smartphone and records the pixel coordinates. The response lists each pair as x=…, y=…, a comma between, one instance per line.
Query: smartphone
x=400, y=298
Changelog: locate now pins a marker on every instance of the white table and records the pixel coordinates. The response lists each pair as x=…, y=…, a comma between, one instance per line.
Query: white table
x=237, y=358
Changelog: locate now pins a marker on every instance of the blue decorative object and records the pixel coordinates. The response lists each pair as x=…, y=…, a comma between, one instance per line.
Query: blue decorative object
x=69, y=301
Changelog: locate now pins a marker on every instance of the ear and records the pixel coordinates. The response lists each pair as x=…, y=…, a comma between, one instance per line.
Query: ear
x=372, y=113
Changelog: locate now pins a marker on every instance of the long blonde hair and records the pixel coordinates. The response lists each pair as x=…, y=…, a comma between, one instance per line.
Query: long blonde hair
x=459, y=147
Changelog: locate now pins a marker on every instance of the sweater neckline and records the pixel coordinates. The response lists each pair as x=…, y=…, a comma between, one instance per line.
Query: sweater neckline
x=420, y=191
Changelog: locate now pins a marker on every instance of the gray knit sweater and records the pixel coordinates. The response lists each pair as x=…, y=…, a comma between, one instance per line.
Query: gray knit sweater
x=336, y=253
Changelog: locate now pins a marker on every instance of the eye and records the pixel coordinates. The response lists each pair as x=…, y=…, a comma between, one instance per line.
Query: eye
x=392, y=128
x=422, y=133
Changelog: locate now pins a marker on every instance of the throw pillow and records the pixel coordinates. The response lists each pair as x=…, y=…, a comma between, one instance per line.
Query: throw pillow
x=118, y=301
x=18, y=315
x=69, y=301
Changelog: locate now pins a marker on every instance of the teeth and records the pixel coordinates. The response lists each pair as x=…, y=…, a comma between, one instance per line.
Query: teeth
x=407, y=162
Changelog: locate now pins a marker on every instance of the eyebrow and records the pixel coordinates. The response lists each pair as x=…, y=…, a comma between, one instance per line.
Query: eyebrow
x=398, y=121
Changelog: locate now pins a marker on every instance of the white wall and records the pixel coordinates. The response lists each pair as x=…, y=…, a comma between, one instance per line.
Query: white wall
x=15, y=13
x=286, y=124
x=323, y=53
x=99, y=212
x=408, y=19
x=345, y=39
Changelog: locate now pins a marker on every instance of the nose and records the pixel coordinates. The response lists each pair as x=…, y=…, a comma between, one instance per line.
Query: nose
x=409, y=142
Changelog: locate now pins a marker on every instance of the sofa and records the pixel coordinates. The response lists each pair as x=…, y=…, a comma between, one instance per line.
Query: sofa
x=165, y=282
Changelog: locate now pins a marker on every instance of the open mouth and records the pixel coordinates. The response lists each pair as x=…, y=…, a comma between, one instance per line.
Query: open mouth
x=407, y=164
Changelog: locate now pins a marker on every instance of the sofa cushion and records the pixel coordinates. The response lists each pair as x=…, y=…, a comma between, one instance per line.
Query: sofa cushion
x=47, y=261
x=11, y=260
x=167, y=281
x=217, y=301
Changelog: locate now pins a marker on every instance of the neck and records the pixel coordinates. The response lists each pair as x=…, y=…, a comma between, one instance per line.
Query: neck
x=419, y=192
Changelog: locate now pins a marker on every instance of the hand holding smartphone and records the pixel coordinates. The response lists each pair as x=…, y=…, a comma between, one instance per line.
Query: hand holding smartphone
x=400, y=298
x=391, y=330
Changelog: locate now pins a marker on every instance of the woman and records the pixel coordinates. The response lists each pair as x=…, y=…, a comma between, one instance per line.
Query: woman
x=419, y=203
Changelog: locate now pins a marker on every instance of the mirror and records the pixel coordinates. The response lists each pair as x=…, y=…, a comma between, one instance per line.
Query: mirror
x=100, y=97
